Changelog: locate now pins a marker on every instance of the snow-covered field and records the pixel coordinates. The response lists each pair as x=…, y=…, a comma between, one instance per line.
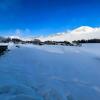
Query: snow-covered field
x=50, y=73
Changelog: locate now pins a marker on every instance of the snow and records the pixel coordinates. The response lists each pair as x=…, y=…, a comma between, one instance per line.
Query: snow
x=34, y=72
x=79, y=33
x=82, y=32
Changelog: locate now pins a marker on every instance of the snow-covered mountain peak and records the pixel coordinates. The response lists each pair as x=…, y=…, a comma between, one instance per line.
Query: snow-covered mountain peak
x=83, y=32
x=83, y=29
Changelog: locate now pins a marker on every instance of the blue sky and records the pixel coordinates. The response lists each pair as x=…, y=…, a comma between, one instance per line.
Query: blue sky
x=48, y=16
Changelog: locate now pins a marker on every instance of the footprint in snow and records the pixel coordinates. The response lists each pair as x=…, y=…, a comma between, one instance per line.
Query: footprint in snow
x=97, y=58
x=22, y=97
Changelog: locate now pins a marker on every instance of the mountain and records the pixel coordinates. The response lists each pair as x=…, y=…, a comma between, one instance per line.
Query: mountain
x=83, y=29
x=83, y=32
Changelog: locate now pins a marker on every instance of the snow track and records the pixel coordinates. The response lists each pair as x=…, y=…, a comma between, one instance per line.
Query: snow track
x=50, y=73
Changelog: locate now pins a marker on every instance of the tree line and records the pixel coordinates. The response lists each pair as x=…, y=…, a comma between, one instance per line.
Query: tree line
x=87, y=41
x=39, y=42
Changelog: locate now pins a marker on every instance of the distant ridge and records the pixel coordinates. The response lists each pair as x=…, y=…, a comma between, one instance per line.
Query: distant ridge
x=83, y=32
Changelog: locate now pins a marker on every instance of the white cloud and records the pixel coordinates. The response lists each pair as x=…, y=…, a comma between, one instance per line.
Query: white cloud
x=83, y=32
